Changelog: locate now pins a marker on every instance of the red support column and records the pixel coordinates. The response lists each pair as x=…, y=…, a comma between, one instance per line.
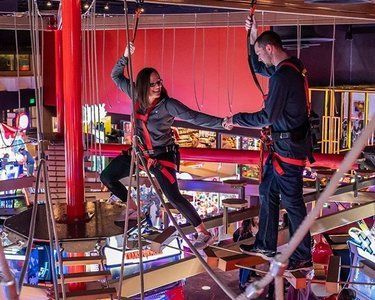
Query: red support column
x=72, y=62
x=59, y=81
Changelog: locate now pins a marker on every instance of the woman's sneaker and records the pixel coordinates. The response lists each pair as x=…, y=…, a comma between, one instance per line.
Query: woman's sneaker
x=254, y=251
x=203, y=240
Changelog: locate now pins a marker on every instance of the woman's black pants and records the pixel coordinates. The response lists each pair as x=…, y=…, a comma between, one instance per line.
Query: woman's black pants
x=119, y=168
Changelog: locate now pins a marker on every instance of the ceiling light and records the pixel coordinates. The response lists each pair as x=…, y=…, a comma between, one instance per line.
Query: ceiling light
x=86, y=6
x=106, y=7
x=206, y=288
x=49, y=3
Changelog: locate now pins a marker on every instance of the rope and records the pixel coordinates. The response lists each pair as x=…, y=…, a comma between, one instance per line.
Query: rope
x=2, y=135
x=137, y=14
x=279, y=288
x=18, y=62
x=92, y=83
x=304, y=228
x=88, y=11
x=173, y=58
x=332, y=73
x=226, y=249
x=33, y=19
x=84, y=78
x=145, y=53
x=351, y=61
x=103, y=56
x=132, y=164
x=118, y=54
x=141, y=270
x=162, y=46
x=97, y=101
x=29, y=243
x=199, y=105
x=40, y=59
x=227, y=64
x=203, y=64
x=299, y=36
x=232, y=64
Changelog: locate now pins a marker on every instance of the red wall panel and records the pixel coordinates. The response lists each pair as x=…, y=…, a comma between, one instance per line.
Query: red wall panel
x=217, y=64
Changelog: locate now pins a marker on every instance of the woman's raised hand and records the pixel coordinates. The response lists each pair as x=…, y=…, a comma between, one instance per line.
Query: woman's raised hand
x=132, y=49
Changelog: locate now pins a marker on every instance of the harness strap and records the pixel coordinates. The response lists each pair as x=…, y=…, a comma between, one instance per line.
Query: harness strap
x=144, y=118
x=306, y=83
x=266, y=142
x=277, y=159
x=163, y=165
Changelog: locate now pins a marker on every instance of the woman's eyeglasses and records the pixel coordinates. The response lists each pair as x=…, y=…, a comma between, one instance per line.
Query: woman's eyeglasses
x=156, y=83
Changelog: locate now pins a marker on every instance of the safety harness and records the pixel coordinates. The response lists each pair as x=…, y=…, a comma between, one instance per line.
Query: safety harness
x=266, y=142
x=148, y=151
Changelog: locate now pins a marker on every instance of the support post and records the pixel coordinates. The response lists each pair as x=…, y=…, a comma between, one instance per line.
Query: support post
x=72, y=61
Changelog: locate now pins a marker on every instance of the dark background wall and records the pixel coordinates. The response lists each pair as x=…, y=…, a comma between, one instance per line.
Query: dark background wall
x=354, y=59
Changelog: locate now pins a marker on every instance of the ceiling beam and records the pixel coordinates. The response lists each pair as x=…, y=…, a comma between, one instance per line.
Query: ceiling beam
x=268, y=13
x=350, y=11
x=220, y=20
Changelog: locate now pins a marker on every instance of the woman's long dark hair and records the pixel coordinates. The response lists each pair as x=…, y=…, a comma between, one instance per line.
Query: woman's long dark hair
x=142, y=85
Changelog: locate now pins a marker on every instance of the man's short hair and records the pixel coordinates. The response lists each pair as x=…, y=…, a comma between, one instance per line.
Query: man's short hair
x=269, y=38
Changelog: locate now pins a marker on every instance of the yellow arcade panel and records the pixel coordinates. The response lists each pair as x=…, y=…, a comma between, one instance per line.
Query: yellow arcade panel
x=344, y=112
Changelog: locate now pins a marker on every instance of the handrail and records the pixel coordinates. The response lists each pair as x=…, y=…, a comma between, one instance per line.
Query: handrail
x=220, y=155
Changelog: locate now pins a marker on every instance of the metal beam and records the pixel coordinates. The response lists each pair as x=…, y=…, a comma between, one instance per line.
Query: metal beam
x=269, y=13
x=161, y=276
x=298, y=7
x=309, y=197
x=342, y=218
x=362, y=197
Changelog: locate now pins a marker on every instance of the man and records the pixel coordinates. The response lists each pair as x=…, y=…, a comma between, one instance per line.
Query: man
x=286, y=113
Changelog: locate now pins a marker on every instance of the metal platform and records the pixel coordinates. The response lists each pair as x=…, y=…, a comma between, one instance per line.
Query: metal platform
x=100, y=225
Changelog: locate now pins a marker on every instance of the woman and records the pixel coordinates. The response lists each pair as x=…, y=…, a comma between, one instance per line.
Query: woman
x=155, y=113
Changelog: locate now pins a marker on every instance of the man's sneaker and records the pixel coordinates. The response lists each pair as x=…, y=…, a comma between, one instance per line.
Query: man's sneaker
x=263, y=253
x=299, y=265
x=203, y=240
